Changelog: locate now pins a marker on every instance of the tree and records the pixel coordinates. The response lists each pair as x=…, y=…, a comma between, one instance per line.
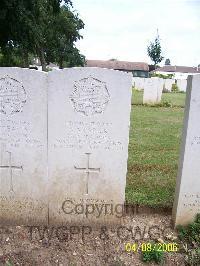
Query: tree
x=28, y=27
x=167, y=62
x=63, y=32
x=24, y=26
x=154, y=51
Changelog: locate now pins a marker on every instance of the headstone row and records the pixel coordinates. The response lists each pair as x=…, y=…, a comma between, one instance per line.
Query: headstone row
x=63, y=145
x=139, y=83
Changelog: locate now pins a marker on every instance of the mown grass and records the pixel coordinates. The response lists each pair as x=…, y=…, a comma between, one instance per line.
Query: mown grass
x=154, y=145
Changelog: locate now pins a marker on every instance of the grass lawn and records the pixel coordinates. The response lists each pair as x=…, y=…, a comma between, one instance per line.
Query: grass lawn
x=154, y=145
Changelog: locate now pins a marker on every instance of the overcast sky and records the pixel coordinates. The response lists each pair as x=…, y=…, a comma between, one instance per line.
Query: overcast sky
x=122, y=29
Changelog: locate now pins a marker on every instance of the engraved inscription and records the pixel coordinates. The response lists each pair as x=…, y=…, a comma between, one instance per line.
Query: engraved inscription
x=17, y=133
x=88, y=170
x=88, y=200
x=192, y=200
x=23, y=206
x=90, y=96
x=11, y=167
x=196, y=140
x=12, y=96
x=93, y=135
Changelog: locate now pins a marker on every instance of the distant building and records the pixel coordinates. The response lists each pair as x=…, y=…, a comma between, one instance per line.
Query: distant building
x=138, y=69
x=179, y=72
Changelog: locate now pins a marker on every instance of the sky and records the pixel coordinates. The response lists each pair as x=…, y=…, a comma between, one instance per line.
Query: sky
x=122, y=29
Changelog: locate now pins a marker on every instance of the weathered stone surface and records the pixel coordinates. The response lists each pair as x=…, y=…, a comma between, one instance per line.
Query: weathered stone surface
x=89, y=111
x=153, y=88
x=187, y=196
x=87, y=139
x=23, y=146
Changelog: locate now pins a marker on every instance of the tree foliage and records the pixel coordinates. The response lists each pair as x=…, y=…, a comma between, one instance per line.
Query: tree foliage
x=42, y=28
x=62, y=34
x=154, y=51
x=167, y=62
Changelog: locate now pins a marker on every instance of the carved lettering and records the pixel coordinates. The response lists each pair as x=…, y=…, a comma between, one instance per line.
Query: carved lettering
x=94, y=135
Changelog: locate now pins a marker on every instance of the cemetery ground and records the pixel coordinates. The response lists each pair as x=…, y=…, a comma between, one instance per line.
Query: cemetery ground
x=155, y=136
x=154, y=147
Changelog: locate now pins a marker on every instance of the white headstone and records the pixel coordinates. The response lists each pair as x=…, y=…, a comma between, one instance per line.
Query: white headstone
x=89, y=110
x=153, y=88
x=133, y=82
x=168, y=84
x=160, y=83
x=23, y=146
x=187, y=196
x=182, y=84
x=139, y=83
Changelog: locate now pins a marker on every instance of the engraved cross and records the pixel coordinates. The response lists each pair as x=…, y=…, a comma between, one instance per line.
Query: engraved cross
x=88, y=170
x=11, y=167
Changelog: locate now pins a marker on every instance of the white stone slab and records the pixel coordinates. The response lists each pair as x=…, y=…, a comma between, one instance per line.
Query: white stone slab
x=23, y=146
x=162, y=83
x=168, y=84
x=187, y=196
x=139, y=83
x=89, y=110
x=153, y=88
x=133, y=82
x=182, y=84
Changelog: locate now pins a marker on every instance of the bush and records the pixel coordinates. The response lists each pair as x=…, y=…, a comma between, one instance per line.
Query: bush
x=191, y=232
x=168, y=76
x=153, y=255
x=175, y=88
x=190, y=237
x=166, y=104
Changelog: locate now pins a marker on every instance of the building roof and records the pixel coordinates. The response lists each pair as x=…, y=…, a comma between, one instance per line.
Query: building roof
x=182, y=69
x=118, y=65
